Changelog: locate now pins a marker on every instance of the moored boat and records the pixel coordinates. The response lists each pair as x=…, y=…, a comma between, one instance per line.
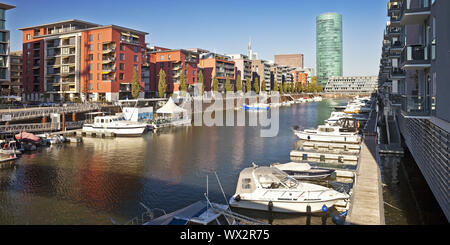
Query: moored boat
x=116, y=125
x=303, y=170
x=267, y=188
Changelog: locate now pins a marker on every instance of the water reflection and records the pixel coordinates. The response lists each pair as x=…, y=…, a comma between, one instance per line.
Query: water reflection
x=103, y=178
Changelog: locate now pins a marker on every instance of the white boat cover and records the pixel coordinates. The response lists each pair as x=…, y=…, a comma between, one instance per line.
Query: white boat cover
x=170, y=108
x=293, y=166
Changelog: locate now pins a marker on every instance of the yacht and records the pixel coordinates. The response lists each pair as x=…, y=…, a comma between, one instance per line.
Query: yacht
x=267, y=188
x=116, y=125
x=345, y=132
x=303, y=170
x=338, y=115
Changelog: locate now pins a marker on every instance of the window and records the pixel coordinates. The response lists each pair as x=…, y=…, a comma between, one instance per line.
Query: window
x=91, y=37
x=28, y=36
x=122, y=56
x=99, y=46
x=121, y=76
x=90, y=47
x=161, y=57
x=90, y=87
x=98, y=36
x=91, y=57
x=98, y=66
x=99, y=76
x=121, y=66
x=99, y=57
x=135, y=58
x=136, y=67
x=135, y=49
x=121, y=47
x=90, y=76
x=89, y=67
x=98, y=86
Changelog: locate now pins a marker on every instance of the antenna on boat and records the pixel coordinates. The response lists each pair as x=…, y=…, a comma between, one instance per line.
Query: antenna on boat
x=221, y=189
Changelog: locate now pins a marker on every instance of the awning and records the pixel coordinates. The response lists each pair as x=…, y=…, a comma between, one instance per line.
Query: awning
x=170, y=108
x=27, y=136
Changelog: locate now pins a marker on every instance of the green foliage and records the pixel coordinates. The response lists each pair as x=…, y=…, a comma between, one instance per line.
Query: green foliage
x=256, y=85
x=239, y=84
x=263, y=86
x=183, y=82
x=275, y=86
x=135, y=85
x=215, y=84
x=248, y=85
x=228, y=87
x=201, y=82
x=162, y=86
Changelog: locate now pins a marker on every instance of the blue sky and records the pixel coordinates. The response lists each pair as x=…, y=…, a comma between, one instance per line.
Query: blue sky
x=275, y=26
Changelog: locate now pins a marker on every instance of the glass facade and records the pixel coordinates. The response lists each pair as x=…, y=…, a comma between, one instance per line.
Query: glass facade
x=329, y=46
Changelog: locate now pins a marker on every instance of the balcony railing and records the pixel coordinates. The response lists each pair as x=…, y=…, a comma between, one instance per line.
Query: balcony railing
x=416, y=105
x=416, y=56
x=415, y=11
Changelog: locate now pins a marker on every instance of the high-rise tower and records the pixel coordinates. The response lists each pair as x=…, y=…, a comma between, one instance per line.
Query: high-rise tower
x=328, y=46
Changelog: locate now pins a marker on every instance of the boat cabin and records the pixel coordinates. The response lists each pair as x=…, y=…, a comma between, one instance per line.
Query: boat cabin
x=348, y=125
x=107, y=120
x=263, y=177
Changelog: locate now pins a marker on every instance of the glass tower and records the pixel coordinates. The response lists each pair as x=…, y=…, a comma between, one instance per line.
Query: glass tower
x=329, y=46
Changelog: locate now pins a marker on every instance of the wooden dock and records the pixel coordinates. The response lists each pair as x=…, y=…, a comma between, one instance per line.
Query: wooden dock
x=366, y=203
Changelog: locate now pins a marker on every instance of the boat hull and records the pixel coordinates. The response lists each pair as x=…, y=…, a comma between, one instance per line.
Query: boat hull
x=328, y=138
x=282, y=206
x=118, y=131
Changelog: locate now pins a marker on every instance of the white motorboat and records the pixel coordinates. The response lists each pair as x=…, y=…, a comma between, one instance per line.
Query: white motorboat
x=303, y=170
x=336, y=116
x=116, y=125
x=346, y=132
x=318, y=98
x=267, y=188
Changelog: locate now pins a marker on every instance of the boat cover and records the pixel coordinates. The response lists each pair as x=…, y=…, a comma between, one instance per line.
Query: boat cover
x=27, y=136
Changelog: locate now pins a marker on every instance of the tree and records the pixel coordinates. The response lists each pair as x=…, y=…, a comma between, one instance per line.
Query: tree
x=239, y=84
x=183, y=82
x=248, y=85
x=215, y=84
x=135, y=85
x=228, y=87
x=275, y=86
x=200, y=82
x=162, y=86
x=263, y=86
x=285, y=87
x=256, y=85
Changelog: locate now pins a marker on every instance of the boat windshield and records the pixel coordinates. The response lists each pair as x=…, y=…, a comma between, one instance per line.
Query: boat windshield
x=274, y=178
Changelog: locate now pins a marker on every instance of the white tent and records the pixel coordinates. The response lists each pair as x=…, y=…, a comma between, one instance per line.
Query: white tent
x=170, y=108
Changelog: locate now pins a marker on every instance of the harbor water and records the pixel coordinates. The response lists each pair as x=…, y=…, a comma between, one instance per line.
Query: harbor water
x=104, y=179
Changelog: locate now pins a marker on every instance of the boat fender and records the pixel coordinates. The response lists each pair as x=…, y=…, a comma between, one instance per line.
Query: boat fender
x=324, y=208
x=270, y=206
x=237, y=198
x=309, y=137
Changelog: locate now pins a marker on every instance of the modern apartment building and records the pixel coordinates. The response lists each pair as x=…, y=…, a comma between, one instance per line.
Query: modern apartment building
x=261, y=70
x=243, y=66
x=5, y=81
x=174, y=63
x=15, y=87
x=419, y=100
x=329, y=46
x=352, y=84
x=75, y=59
x=292, y=60
x=218, y=65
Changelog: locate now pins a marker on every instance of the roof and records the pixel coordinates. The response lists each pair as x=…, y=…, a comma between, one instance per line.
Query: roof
x=72, y=21
x=6, y=6
x=170, y=108
x=89, y=25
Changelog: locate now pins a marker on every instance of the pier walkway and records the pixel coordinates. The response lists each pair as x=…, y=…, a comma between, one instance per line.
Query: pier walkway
x=367, y=205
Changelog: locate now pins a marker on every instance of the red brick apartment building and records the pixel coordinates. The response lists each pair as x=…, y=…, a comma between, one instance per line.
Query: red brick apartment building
x=173, y=63
x=217, y=65
x=75, y=59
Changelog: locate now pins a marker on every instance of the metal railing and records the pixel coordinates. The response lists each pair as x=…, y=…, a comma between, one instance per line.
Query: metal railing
x=23, y=114
x=415, y=54
x=417, y=105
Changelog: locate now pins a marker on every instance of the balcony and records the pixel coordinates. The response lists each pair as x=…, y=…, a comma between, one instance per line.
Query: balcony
x=108, y=60
x=107, y=50
x=415, y=12
x=415, y=57
x=416, y=105
x=106, y=70
x=397, y=74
